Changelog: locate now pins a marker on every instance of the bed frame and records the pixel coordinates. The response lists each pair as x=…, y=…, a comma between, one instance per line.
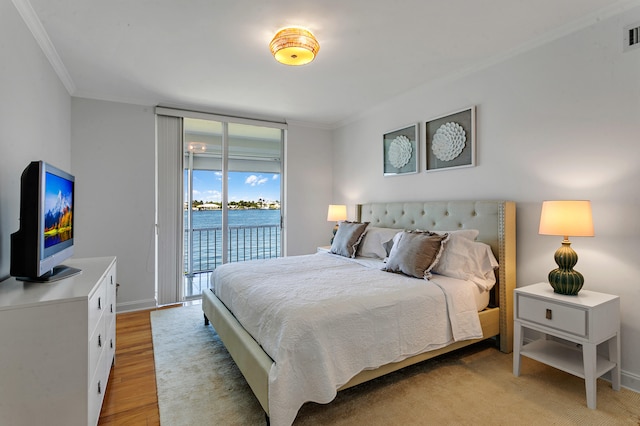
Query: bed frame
x=496, y=221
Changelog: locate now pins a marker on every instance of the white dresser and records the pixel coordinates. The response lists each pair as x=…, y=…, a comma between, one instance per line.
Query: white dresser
x=57, y=346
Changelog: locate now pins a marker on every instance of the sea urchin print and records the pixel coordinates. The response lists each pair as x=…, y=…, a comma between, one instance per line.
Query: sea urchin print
x=400, y=151
x=448, y=141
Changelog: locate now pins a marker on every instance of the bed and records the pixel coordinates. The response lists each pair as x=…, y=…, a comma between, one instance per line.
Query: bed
x=495, y=223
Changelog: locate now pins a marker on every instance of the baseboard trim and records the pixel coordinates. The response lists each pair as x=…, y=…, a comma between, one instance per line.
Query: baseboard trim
x=136, y=305
x=630, y=381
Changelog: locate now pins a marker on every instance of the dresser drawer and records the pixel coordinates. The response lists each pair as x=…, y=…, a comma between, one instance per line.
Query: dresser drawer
x=97, y=304
x=561, y=317
x=110, y=291
x=110, y=284
x=97, y=344
x=97, y=387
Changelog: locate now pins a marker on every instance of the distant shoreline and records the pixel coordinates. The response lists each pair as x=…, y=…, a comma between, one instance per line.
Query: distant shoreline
x=198, y=209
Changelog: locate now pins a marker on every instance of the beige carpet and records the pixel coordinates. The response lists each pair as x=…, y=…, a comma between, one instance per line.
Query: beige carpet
x=198, y=384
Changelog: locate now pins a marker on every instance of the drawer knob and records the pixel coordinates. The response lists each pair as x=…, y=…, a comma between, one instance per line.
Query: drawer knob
x=549, y=314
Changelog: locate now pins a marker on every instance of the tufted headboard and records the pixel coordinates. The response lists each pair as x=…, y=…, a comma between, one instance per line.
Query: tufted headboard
x=496, y=221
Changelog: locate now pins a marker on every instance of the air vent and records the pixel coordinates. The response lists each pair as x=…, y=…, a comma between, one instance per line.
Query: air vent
x=631, y=37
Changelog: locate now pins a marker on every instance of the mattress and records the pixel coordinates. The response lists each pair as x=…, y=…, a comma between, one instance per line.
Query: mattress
x=324, y=318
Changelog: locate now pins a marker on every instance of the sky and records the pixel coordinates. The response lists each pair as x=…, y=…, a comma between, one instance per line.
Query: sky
x=207, y=186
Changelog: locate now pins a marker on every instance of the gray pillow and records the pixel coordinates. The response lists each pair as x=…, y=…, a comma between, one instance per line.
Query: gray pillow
x=415, y=253
x=349, y=234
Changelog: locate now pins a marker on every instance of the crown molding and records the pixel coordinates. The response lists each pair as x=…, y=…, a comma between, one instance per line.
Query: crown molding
x=42, y=38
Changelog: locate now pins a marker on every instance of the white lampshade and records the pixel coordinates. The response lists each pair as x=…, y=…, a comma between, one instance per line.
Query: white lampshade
x=566, y=218
x=336, y=213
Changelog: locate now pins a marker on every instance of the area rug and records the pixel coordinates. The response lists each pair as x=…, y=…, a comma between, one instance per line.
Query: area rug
x=198, y=384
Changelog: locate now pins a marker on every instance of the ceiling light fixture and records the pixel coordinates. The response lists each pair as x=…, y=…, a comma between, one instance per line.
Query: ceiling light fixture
x=197, y=147
x=294, y=46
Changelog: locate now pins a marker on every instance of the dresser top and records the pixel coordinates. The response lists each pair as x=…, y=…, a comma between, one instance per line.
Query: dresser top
x=19, y=294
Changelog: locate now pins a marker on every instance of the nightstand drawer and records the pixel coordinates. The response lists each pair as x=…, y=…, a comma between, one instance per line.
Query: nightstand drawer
x=549, y=314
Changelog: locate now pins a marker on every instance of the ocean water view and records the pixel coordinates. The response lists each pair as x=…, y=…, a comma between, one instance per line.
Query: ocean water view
x=250, y=217
x=253, y=234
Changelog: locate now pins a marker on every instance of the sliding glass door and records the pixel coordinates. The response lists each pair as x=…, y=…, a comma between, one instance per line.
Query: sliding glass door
x=232, y=196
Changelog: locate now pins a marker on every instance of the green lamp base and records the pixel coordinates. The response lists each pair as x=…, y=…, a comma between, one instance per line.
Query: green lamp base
x=335, y=229
x=564, y=279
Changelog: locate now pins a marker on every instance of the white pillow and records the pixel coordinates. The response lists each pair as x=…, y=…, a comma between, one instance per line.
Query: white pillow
x=469, y=234
x=468, y=260
x=373, y=239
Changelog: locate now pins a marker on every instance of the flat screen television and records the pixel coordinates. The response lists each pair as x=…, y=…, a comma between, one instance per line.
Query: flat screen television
x=45, y=237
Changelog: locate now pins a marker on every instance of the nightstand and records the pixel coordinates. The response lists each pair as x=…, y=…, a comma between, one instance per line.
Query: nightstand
x=587, y=319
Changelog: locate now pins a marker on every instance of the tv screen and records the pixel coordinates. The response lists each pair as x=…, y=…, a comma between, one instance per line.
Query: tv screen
x=45, y=237
x=58, y=212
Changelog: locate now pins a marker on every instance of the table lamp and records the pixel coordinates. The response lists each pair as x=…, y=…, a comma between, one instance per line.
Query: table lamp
x=566, y=218
x=336, y=213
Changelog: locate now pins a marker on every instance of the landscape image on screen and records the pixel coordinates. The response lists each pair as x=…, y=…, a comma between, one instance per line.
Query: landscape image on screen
x=58, y=213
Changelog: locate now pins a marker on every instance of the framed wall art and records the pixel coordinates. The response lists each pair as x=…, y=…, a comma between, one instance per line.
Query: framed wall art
x=451, y=141
x=400, y=151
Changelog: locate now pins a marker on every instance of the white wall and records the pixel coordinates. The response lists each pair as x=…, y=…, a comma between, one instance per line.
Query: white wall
x=308, y=169
x=34, y=118
x=561, y=121
x=113, y=157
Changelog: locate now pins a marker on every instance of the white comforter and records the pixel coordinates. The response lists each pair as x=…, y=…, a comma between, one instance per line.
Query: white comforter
x=324, y=318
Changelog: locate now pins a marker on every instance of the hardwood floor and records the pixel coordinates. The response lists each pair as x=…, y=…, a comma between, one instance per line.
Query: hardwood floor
x=131, y=397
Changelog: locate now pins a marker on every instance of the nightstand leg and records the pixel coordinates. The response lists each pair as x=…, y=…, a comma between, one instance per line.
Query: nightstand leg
x=517, y=346
x=614, y=356
x=589, y=359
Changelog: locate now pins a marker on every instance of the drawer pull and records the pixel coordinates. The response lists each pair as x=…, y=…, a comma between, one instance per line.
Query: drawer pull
x=549, y=314
x=99, y=387
x=99, y=341
x=110, y=343
x=99, y=303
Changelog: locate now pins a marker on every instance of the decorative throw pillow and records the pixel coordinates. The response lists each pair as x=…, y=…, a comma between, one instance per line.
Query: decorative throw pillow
x=388, y=245
x=415, y=253
x=349, y=234
x=469, y=234
x=373, y=239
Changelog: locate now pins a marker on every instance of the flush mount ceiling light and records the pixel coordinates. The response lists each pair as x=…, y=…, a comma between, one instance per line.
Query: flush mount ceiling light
x=294, y=46
x=196, y=147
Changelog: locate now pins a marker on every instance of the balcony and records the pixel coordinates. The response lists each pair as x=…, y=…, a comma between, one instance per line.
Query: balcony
x=204, y=254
